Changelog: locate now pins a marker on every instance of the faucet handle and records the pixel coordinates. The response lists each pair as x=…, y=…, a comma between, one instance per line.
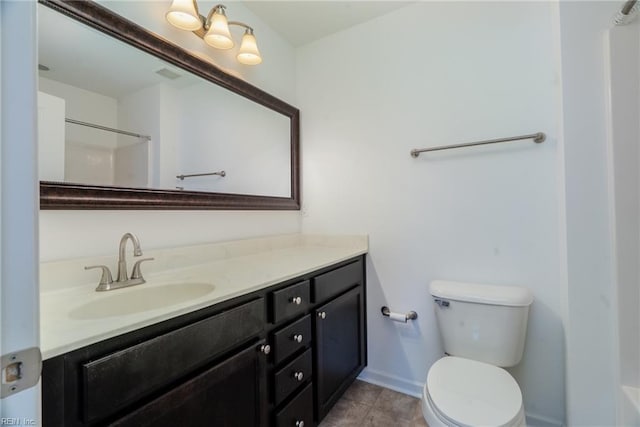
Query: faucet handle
x=136, y=273
x=105, y=279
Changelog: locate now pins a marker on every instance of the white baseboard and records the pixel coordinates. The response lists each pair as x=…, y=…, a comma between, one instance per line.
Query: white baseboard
x=536, y=420
x=414, y=389
x=392, y=382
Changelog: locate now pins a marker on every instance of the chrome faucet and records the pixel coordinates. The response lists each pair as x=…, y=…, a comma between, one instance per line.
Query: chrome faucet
x=122, y=255
x=123, y=280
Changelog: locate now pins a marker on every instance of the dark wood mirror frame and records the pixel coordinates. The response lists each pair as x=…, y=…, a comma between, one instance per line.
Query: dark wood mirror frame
x=56, y=195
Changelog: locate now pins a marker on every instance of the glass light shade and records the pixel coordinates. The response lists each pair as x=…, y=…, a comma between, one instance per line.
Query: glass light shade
x=218, y=34
x=248, y=53
x=184, y=15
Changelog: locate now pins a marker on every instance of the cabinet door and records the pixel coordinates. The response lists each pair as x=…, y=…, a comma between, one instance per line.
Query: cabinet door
x=136, y=372
x=340, y=347
x=230, y=394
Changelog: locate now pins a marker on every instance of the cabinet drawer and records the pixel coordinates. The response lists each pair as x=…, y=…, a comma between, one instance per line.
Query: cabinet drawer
x=299, y=412
x=289, y=301
x=337, y=281
x=121, y=378
x=294, y=374
x=289, y=339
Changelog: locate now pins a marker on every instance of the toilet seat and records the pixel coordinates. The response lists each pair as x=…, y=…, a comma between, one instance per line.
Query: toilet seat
x=466, y=393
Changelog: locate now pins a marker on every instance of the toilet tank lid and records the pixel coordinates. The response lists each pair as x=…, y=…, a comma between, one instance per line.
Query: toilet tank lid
x=516, y=296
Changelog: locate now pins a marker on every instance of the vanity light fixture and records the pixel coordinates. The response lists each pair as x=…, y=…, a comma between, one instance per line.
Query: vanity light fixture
x=214, y=29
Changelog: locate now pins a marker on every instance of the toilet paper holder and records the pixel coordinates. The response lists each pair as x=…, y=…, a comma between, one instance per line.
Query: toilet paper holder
x=398, y=317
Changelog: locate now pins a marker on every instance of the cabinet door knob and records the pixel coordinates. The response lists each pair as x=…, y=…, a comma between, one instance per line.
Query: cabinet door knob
x=296, y=300
x=299, y=423
x=322, y=315
x=297, y=338
x=265, y=348
x=298, y=375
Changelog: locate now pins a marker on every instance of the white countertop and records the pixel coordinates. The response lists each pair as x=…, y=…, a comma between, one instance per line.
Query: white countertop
x=67, y=294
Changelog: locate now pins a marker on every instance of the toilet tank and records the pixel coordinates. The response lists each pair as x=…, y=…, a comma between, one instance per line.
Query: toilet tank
x=487, y=323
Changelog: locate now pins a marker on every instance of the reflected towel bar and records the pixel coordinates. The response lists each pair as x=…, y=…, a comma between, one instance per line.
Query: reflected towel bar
x=108, y=129
x=182, y=177
x=537, y=138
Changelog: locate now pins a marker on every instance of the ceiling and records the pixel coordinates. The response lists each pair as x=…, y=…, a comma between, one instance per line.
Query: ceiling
x=83, y=57
x=304, y=21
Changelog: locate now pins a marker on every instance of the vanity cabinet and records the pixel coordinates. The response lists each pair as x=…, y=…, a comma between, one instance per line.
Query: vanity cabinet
x=280, y=356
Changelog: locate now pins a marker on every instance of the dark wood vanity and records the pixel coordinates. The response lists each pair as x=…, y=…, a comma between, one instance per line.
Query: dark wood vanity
x=281, y=356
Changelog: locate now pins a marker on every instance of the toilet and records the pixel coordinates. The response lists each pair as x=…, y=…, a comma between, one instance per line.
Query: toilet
x=483, y=329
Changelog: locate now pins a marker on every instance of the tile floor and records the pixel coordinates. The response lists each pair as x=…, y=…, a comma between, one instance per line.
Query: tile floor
x=369, y=405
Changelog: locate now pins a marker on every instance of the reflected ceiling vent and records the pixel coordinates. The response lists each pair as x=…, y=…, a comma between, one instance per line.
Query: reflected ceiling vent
x=168, y=73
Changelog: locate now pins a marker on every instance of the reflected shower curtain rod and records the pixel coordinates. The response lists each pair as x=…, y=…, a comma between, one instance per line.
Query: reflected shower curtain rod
x=108, y=129
x=537, y=138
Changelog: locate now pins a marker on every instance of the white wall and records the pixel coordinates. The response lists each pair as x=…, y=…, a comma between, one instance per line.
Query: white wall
x=71, y=234
x=88, y=152
x=222, y=131
x=148, y=111
x=623, y=80
x=434, y=74
x=201, y=128
x=590, y=315
x=19, y=284
x=85, y=106
x=66, y=234
x=625, y=103
x=50, y=137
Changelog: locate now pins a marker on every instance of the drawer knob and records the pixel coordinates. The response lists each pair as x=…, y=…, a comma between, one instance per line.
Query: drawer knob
x=322, y=315
x=265, y=348
x=297, y=338
x=296, y=300
x=299, y=423
x=298, y=375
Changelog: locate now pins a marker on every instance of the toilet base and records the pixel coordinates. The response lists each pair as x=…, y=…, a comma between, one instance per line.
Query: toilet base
x=434, y=419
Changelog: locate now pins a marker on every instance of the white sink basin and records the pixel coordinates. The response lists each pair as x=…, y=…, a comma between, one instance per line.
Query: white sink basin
x=125, y=301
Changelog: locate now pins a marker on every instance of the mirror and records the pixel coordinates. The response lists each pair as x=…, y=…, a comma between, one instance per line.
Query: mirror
x=130, y=121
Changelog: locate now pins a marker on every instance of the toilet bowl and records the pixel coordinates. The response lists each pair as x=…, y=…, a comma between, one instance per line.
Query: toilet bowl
x=466, y=393
x=483, y=329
